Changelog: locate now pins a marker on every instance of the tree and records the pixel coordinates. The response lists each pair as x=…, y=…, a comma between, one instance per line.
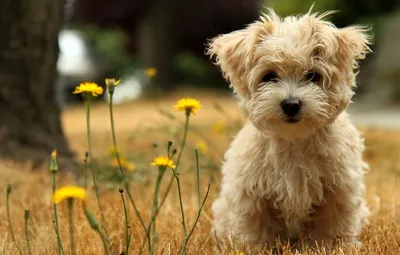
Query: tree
x=30, y=124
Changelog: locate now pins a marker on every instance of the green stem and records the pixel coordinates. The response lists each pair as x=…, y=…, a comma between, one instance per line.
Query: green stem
x=26, y=216
x=125, y=179
x=180, y=201
x=85, y=180
x=185, y=132
x=197, y=178
x=196, y=221
x=104, y=240
x=127, y=235
x=10, y=228
x=60, y=246
x=161, y=172
x=94, y=224
x=71, y=225
x=147, y=232
x=96, y=187
x=171, y=181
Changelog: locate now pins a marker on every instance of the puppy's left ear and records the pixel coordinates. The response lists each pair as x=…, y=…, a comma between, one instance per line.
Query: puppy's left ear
x=354, y=43
x=233, y=54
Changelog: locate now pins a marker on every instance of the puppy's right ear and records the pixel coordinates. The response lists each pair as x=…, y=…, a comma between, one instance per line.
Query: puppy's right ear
x=233, y=54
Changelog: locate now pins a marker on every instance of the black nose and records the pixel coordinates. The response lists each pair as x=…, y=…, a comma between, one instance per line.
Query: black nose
x=291, y=107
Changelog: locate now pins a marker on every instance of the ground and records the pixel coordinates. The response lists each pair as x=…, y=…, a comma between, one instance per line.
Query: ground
x=139, y=125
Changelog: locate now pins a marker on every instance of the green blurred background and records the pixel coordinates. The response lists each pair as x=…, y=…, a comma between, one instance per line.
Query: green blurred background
x=124, y=36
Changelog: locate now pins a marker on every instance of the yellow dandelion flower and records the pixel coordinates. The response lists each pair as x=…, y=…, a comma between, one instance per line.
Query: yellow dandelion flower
x=112, y=82
x=163, y=161
x=128, y=166
x=189, y=105
x=202, y=147
x=66, y=192
x=219, y=127
x=88, y=88
x=150, y=72
x=239, y=253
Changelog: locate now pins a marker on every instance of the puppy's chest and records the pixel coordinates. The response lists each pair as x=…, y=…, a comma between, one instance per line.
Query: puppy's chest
x=293, y=181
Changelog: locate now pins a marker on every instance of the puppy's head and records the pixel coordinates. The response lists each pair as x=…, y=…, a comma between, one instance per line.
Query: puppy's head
x=293, y=75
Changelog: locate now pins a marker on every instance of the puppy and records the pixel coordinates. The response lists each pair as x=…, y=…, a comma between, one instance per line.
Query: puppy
x=296, y=168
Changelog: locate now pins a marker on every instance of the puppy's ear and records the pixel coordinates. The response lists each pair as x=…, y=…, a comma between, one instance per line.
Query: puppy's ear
x=354, y=43
x=233, y=54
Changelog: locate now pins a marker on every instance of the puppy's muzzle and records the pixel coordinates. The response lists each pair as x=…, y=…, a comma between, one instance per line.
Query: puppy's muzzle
x=291, y=107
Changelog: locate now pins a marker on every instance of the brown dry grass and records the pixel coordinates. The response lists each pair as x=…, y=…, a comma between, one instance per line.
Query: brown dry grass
x=33, y=190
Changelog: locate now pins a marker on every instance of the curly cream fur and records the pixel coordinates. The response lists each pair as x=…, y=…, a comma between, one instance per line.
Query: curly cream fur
x=292, y=180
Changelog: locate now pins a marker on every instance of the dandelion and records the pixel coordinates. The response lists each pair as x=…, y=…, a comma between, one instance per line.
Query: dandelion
x=239, y=253
x=163, y=161
x=112, y=82
x=88, y=88
x=219, y=127
x=128, y=166
x=189, y=105
x=202, y=147
x=72, y=192
x=150, y=72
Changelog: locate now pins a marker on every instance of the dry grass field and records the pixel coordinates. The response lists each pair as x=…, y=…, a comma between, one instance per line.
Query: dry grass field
x=140, y=124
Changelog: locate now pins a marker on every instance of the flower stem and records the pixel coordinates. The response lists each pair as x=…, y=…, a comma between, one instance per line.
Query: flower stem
x=96, y=187
x=196, y=221
x=197, y=178
x=71, y=225
x=85, y=180
x=200, y=205
x=180, y=152
x=60, y=246
x=180, y=201
x=171, y=181
x=26, y=216
x=125, y=179
x=10, y=228
x=161, y=172
x=94, y=224
x=127, y=234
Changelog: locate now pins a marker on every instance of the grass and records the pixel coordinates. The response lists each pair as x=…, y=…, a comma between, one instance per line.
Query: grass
x=139, y=125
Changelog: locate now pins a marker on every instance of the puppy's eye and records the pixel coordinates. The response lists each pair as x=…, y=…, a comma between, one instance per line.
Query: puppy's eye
x=268, y=77
x=313, y=77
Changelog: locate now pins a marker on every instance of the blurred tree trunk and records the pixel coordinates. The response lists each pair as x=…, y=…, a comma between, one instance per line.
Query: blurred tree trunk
x=30, y=124
x=157, y=35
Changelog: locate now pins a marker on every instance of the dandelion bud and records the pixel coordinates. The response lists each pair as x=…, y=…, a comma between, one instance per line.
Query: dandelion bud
x=54, y=154
x=53, y=162
x=121, y=190
x=174, y=152
x=26, y=214
x=9, y=188
x=169, y=144
x=93, y=222
x=155, y=145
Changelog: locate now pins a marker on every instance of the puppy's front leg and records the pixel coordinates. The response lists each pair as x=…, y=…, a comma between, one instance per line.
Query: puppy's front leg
x=340, y=219
x=244, y=219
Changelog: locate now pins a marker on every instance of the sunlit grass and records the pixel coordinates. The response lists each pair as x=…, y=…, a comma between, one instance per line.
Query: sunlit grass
x=143, y=132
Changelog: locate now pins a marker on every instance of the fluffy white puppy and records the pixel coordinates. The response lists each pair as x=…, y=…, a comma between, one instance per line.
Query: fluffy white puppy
x=296, y=167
